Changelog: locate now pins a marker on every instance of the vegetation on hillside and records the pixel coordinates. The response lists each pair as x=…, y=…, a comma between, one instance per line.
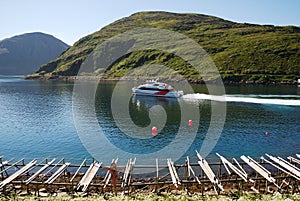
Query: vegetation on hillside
x=242, y=52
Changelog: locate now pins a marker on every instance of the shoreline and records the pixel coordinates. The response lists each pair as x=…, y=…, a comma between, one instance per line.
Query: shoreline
x=97, y=78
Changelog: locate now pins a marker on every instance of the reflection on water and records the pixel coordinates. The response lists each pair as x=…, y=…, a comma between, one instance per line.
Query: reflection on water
x=126, y=122
x=140, y=107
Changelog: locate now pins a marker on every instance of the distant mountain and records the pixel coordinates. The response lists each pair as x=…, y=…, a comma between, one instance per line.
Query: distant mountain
x=242, y=52
x=23, y=54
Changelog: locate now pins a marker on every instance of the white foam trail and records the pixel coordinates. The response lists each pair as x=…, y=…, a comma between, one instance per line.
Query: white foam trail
x=247, y=99
x=264, y=96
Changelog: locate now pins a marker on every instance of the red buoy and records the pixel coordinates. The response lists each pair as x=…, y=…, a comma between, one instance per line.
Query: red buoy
x=266, y=133
x=190, y=122
x=154, y=130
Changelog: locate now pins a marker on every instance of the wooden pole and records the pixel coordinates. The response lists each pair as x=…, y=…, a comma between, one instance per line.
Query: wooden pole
x=156, y=180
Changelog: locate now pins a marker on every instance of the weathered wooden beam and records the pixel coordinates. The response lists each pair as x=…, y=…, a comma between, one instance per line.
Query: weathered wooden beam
x=258, y=168
x=280, y=168
x=190, y=170
x=241, y=172
x=291, y=168
x=208, y=171
x=78, y=169
x=54, y=166
x=173, y=173
x=16, y=174
x=39, y=172
x=57, y=173
x=295, y=160
x=13, y=165
x=89, y=175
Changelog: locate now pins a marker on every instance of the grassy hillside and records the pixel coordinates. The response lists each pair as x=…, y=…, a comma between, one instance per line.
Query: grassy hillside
x=241, y=52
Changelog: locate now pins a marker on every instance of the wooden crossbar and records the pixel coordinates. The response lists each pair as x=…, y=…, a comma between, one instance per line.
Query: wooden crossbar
x=190, y=170
x=77, y=171
x=241, y=172
x=39, y=172
x=54, y=166
x=291, y=168
x=295, y=160
x=208, y=171
x=57, y=173
x=33, y=167
x=258, y=168
x=280, y=168
x=16, y=174
x=88, y=176
x=127, y=173
x=5, y=163
x=13, y=165
x=173, y=173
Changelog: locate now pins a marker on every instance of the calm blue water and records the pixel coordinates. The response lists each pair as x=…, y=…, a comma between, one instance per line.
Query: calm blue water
x=36, y=121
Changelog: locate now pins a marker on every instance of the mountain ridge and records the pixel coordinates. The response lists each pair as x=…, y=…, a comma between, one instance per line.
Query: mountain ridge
x=242, y=52
x=23, y=54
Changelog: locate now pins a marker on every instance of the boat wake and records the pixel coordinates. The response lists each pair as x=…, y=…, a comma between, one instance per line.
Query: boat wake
x=289, y=100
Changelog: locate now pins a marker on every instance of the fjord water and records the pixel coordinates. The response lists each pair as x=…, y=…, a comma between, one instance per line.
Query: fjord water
x=36, y=120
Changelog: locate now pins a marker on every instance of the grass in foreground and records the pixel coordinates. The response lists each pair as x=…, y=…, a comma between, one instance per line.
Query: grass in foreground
x=167, y=197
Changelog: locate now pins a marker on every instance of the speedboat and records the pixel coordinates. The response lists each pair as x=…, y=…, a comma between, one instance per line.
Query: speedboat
x=158, y=89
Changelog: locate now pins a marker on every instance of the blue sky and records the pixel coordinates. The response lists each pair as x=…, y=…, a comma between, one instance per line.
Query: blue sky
x=69, y=20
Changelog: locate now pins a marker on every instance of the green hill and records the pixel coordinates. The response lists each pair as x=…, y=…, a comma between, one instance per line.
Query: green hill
x=242, y=52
